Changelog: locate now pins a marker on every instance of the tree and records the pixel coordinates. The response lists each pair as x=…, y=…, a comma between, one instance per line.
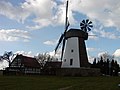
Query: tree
x=94, y=63
x=43, y=58
x=107, y=66
x=116, y=68
x=6, y=56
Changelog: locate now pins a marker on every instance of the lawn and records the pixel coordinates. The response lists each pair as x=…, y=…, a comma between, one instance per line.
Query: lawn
x=58, y=83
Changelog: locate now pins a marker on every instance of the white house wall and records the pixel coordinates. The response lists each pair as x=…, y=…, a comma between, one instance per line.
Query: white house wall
x=71, y=52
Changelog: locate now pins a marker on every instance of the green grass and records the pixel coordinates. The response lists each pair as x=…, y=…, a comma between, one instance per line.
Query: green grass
x=58, y=83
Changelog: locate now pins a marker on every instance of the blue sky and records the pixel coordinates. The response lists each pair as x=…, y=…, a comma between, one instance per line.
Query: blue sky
x=34, y=26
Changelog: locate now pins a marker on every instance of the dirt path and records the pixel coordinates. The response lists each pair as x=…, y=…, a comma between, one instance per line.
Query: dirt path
x=65, y=88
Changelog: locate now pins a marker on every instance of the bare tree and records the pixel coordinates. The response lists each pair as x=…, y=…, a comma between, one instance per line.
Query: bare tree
x=43, y=58
x=6, y=56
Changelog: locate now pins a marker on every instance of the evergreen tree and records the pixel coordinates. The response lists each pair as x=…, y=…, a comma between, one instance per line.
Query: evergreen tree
x=94, y=63
x=116, y=67
x=107, y=67
x=112, y=67
x=101, y=65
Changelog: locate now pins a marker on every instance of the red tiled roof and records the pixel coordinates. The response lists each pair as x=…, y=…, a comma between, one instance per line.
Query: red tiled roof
x=28, y=61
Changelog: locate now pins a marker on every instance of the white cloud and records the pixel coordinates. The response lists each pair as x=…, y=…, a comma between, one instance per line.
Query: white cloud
x=105, y=11
x=109, y=35
x=3, y=64
x=40, y=23
x=14, y=35
x=43, y=11
x=30, y=54
x=50, y=42
x=92, y=36
x=91, y=59
x=41, y=8
x=117, y=53
x=106, y=34
x=102, y=53
x=57, y=55
x=13, y=12
x=61, y=12
x=52, y=53
x=105, y=56
x=91, y=49
x=48, y=12
x=51, y=14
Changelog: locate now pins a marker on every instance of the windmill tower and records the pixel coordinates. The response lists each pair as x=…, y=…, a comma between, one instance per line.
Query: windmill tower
x=74, y=53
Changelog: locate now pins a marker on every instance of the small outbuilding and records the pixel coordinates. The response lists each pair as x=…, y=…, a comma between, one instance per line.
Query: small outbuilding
x=50, y=68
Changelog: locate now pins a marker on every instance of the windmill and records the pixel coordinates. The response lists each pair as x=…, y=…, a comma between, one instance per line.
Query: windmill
x=74, y=53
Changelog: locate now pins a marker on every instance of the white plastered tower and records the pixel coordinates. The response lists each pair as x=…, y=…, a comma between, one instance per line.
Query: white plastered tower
x=75, y=55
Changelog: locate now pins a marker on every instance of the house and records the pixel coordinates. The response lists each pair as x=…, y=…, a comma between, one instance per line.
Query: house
x=24, y=65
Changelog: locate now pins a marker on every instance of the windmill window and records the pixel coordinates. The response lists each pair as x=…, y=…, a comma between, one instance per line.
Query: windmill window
x=64, y=60
x=72, y=50
x=71, y=61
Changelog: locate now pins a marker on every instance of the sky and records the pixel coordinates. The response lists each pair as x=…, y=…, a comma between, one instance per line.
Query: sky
x=34, y=26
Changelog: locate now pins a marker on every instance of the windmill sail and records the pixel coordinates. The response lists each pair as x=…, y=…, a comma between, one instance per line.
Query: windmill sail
x=66, y=27
x=66, y=18
x=63, y=49
x=86, y=25
x=62, y=38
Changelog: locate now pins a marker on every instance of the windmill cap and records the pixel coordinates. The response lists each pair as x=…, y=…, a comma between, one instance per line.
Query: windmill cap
x=76, y=33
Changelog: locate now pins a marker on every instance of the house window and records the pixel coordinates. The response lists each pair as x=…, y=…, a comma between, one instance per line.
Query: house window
x=71, y=62
x=72, y=50
x=19, y=62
